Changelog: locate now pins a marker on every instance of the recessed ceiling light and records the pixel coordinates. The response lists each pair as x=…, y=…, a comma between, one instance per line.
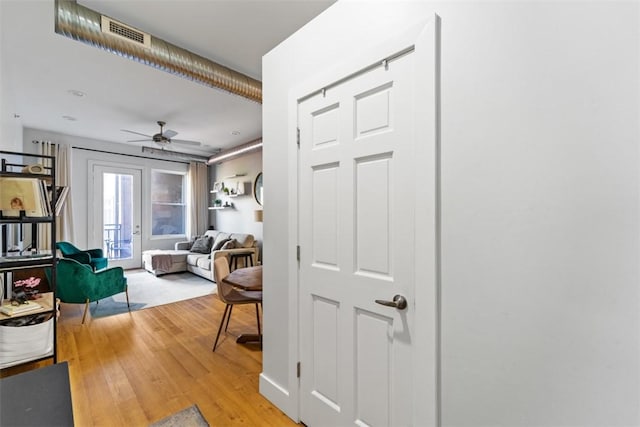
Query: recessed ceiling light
x=235, y=132
x=70, y=118
x=77, y=93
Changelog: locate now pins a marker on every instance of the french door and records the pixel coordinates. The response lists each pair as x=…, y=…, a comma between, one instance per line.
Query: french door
x=117, y=214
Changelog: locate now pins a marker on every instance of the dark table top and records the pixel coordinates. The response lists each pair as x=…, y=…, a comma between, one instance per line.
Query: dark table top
x=249, y=278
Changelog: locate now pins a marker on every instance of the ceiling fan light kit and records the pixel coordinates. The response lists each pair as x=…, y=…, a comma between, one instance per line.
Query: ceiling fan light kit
x=163, y=138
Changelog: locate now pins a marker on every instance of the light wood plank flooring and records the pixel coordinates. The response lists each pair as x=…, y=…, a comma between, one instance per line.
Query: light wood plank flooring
x=136, y=368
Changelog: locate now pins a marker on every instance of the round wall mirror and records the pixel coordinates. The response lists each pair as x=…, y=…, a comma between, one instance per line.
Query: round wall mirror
x=257, y=189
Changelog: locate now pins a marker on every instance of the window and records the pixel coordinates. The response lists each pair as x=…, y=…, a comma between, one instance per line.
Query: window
x=168, y=204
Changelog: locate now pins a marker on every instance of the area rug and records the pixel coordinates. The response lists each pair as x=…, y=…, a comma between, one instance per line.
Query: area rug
x=190, y=417
x=147, y=290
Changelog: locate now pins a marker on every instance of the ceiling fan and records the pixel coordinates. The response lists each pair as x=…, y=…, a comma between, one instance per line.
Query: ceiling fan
x=163, y=138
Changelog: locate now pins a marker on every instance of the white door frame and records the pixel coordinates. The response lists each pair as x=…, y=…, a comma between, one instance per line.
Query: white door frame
x=94, y=236
x=426, y=393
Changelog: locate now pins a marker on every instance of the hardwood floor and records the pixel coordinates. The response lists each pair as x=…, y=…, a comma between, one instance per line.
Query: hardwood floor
x=136, y=368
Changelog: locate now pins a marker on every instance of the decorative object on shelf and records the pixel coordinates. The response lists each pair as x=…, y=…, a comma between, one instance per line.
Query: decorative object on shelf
x=18, y=306
x=18, y=297
x=29, y=286
x=37, y=168
x=217, y=187
x=61, y=197
x=217, y=202
x=257, y=189
x=22, y=194
x=257, y=215
x=236, y=189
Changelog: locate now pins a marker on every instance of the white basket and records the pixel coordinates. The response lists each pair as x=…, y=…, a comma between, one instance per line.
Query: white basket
x=19, y=344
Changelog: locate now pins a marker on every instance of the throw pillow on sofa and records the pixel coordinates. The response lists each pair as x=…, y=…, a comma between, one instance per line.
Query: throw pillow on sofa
x=202, y=245
x=193, y=241
x=220, y=237
x=230, y=244
x=219, y=244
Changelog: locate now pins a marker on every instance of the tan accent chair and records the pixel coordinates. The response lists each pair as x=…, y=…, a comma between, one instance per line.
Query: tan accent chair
x=232, y=296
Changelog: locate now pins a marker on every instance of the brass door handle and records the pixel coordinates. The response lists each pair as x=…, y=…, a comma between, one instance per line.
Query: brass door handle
x=398, y=302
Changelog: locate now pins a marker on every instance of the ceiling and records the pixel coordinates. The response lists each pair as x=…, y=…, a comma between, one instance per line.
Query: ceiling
x=39, y=68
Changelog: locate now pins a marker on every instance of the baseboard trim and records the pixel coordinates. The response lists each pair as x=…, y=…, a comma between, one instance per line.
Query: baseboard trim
x=279, y=396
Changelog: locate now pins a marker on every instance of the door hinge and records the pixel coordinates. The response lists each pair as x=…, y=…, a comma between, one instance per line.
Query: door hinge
x=298, y=136
x=298, y=370
x=298, y=253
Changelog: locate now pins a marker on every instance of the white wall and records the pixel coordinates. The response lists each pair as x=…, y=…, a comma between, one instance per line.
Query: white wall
x=10, y=125
x=240, y=219
x=81, y=179
x=540, y=227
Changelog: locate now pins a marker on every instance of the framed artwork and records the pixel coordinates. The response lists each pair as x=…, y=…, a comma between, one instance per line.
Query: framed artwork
x=218, y=186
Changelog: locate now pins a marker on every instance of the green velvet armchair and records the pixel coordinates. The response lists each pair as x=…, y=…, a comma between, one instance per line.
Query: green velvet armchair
x=93, y=257
x=77, y=283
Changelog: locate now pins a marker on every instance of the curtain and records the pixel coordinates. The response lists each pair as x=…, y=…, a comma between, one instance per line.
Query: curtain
x=198, y=200
x=64, y=222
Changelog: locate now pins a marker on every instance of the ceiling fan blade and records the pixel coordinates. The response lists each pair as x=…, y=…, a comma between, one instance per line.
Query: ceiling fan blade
x=170, y=133
x=137, y=133
x=139, y=140
x=183, y=142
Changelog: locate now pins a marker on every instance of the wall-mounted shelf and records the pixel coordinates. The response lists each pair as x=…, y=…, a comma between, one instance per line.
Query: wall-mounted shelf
x=220, y=207
x=236, y=187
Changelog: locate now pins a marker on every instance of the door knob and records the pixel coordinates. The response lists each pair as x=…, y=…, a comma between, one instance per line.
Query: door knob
x=398, y=302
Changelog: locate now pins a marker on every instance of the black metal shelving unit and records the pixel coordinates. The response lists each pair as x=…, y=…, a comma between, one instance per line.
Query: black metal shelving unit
x=12, y=164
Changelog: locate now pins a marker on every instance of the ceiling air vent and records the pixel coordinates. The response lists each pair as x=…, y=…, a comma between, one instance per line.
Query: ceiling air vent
x=125, y=32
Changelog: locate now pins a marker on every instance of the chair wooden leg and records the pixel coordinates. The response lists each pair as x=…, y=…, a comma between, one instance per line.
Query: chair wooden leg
x=258, y=319
x=229, y=317
x=215, y=344
x=86, y=308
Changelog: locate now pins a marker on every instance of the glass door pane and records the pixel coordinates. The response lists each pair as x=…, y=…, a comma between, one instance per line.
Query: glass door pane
x=117, y=215
x=115, y=212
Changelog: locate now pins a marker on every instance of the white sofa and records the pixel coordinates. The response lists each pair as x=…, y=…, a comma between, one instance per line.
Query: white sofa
x=183, y=259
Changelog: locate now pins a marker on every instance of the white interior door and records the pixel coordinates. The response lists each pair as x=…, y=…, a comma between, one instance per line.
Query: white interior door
x=362, y=151
x=117, y=214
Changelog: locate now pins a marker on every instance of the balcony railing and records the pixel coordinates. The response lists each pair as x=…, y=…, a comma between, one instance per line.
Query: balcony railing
x=116, y=245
